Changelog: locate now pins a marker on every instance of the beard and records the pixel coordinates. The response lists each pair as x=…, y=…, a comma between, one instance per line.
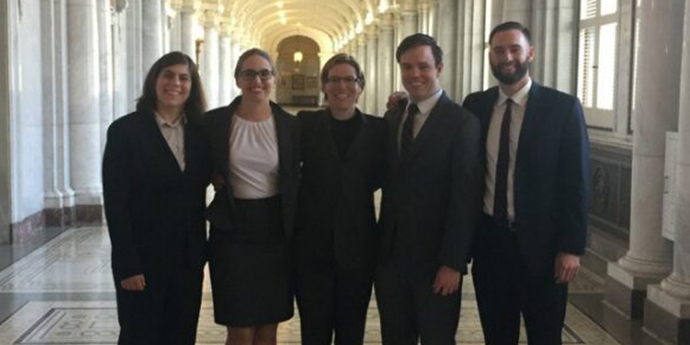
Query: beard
x=520, y=71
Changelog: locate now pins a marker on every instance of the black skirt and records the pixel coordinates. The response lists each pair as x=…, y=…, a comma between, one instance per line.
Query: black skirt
x=250, y=266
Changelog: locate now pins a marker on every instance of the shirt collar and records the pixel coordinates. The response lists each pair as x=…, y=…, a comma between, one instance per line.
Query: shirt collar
x=163, y=122
x=519, y=98
x=426, y=105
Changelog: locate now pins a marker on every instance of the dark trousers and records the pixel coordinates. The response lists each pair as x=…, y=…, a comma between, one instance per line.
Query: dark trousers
x=331, y=299
x=505, y=290
x=408, y=308
x=166, y=312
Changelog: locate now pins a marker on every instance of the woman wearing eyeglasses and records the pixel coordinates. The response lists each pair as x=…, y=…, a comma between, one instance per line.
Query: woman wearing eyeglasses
x=343, y=156
x=255, y=148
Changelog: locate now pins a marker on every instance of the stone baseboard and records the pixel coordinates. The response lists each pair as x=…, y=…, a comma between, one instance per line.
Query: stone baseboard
x=34, y=225
x=627, y=301
x=661, y=320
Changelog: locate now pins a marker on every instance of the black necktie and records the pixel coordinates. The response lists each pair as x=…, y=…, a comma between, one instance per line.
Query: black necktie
x=501, y=190
x=407, y=135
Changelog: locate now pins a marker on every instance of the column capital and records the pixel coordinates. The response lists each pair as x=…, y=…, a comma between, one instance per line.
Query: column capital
x=386, y=21
x=361, y=39
x=210, y=19
x=408, y=6
x=371, y=31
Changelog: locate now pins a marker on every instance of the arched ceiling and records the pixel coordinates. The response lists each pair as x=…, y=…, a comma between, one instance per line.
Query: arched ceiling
x=267, y=22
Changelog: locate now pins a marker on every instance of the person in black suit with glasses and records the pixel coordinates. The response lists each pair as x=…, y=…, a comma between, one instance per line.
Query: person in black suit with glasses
x=343, y=157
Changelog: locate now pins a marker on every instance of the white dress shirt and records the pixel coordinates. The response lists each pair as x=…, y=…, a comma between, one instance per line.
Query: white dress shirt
x=425, y=108
x=253, y=158
x=492, y=143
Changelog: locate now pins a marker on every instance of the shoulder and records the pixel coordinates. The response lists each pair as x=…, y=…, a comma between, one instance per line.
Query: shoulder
x=310, y=115
x=126, y=122
x=480, y=96
x=552, y=96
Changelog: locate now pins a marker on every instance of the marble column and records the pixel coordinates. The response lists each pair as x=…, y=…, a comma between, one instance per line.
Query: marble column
x=423, y=16
x=152, y=32
x=105, y=58
x=84, y=109
x=121, y=106
x=385, y=63
x=5, y=133
x=397, y=37
x=134, y=51
x=518, y=10
x=59, y=196
x=446, y=37
x=667, y=309
x=175, y=39
x=237, y=50
x=210, y=62
x=187, y=31
x=225, y=67
x=371, y=69
x=361, y=58
x=656, y=112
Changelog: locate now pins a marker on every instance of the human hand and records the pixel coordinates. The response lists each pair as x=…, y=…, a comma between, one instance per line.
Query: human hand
x=566, y=267
x=134, y=283
x=394, y=98
x=447, y=281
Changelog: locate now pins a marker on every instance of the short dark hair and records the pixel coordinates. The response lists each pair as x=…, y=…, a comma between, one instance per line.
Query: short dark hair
x=339, y=59
x=195, y=105
x=249, y=53
x=507, y=26
x=416, y=40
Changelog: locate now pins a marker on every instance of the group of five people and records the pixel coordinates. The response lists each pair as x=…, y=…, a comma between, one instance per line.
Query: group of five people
x=501, y=181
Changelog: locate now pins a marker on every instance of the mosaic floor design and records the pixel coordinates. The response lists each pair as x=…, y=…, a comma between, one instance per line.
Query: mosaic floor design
x=78, y=260
x=96, y=323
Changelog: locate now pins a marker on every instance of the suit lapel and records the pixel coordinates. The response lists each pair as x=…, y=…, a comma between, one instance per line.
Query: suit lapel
x=433, y=124
x=326, y=137
x=358, y=140
x=160, y=144
x=394, y=118
x=529, y=123
x=284, y=144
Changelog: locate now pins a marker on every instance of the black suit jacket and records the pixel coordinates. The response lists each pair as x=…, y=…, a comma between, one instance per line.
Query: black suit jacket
x=431, y=201
x=219, y=212
x=336, y=205
x=551, y=181
x=153, y=209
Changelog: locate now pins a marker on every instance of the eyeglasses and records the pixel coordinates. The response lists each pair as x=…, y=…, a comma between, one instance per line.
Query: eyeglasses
x=347, y=80
x=250, y=74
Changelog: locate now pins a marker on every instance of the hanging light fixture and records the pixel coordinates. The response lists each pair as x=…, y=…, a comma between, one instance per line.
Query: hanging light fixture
x=298, y=56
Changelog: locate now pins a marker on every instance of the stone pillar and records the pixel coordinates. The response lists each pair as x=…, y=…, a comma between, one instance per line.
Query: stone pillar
x=518, y=10
x=225, y=67
x=175, y=39
x=447, y=31
x=211, y=60
x=370, y=69
x=667, y=309
x=84, y=109
x=6, y=55
x=188, y=30
x=136, y=72
x=656, y=112
x=385, y=63
x=121, y=106
x=152, y=32
x=59, y=196
x=361, y=58
x=105, y=58
x=423, y=17
x=237, y=50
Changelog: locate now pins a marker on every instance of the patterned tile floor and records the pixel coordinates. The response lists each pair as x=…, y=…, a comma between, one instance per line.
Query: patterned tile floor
x=62, y=293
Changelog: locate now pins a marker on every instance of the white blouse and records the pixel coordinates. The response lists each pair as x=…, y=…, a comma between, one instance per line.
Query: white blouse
x=253, y=158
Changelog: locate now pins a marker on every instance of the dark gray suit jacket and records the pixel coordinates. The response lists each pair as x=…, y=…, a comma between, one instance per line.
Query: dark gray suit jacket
x=551, y=179
x=336, y=204
x=431, y=201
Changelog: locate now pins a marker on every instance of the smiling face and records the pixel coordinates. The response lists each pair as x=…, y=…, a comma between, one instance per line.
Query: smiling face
x=253, y=85
x=510, y=56
x=172, y=87
x=343, y=88
x=420, y=72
